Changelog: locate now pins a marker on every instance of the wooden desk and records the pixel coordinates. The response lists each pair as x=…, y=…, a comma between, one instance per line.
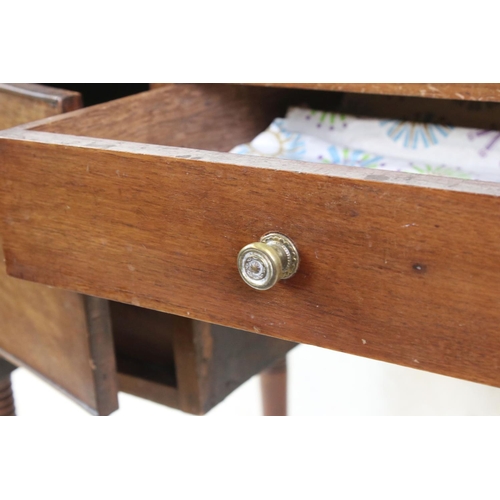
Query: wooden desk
x=145, y=207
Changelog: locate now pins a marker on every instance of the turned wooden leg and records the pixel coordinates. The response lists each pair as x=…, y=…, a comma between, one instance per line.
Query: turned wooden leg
x=7, y=408
x=273, y=388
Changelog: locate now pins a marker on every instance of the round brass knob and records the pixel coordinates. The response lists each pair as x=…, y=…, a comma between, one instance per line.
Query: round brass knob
x=262, y=264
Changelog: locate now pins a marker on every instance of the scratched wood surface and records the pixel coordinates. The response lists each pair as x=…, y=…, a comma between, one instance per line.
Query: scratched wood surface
x=140, y=346
x=397, y=267
x=63, y=337
x=394, y=267
x=460, y=91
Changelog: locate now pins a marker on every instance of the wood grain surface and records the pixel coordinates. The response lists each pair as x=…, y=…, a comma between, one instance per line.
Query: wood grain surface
x=471, y=114
x=215, y=117
x=149, y=389
x=460, y=91
x=144, y=347
x=396, y=267
x=230, y=357
x=26, y=102
x=183, y=363
x=63, y=337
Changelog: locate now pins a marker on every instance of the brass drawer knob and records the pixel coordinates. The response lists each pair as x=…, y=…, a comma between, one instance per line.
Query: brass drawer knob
x=262, y=264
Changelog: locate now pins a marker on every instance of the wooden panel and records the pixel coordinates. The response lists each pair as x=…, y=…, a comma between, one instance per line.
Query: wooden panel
x=472, y=114
x=183, y=363
x=63, y=337
x=143, y=343
x=215, y=117
x=23, y=103
x=212, y=361
x=237, y=356
x=397, y=267
x=178, y=115
x=461, y=91
x=149, y=389
x=102, y=357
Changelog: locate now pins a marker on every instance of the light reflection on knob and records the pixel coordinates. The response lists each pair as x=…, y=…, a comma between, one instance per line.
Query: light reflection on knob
x=262, y=264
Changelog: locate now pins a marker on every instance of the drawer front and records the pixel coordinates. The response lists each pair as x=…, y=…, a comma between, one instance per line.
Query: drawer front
x=396, y=267
x=62, y=336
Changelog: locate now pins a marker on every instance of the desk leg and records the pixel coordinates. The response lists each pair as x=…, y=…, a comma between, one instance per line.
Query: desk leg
x=7, y=408
x=273, y=387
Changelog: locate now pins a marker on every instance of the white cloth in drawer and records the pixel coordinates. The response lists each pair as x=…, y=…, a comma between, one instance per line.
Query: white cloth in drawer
x=324, y=137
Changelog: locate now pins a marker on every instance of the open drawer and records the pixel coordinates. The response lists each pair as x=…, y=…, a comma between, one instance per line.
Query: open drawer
x=137, y=201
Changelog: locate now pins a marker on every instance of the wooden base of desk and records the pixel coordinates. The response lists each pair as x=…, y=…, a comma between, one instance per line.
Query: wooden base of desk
x=273, y=383
x=7, y=408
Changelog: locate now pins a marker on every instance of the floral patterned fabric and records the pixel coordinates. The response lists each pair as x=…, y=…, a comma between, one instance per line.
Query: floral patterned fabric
x=405, y=146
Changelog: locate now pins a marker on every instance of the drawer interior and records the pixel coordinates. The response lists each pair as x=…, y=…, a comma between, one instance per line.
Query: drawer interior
x=217, y=117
